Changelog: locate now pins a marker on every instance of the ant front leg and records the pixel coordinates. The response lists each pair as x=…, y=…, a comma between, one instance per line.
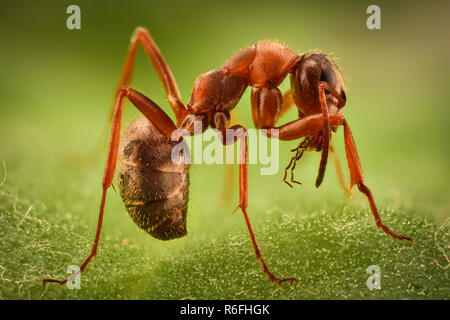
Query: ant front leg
x=229, y=178
x=239, y=132
x=288, y=103
x=161, y=121
x=307, y=126
x=312, y=125
x=356, y=177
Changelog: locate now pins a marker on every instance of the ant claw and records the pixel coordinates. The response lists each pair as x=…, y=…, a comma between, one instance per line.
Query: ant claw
x=290, y=185
x=280, y=281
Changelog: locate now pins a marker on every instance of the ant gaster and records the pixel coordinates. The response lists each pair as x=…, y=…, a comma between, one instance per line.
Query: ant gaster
x=317, y=89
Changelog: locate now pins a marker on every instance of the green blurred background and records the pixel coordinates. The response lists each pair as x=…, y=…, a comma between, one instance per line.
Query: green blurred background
x=56, y=89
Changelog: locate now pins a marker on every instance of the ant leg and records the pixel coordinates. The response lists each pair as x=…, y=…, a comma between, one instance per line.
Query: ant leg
x=286, y=170
x=326, y=135
x=268, y=105
x=142, y=36
x=311, y=125
x=241, y=134
x=338, y=169
x=298, y=155
x=299, y=151
x=288, y=103
x=306, y=126
x=334, y=93
x=163, y=123
x=228, y=182
x=356, y=177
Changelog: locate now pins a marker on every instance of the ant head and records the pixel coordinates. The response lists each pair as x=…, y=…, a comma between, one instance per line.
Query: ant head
x=314, y=68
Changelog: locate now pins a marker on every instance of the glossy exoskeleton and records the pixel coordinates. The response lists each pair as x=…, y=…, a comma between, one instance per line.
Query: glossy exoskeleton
x=155, y=191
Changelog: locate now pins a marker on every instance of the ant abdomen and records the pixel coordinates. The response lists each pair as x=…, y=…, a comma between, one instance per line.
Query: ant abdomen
x=154, y=189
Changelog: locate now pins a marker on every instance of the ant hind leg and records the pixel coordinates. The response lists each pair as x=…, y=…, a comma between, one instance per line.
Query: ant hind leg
x=161, y=121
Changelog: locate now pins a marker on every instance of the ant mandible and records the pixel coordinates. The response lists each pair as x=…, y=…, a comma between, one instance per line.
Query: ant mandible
x=317, y=89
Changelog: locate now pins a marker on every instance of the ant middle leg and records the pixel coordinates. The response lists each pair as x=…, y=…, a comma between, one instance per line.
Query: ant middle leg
x=240, y=133
x=227, y=194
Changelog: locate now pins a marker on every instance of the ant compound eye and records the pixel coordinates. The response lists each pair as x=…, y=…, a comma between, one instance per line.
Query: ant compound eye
x=327, y=75
x=343, y=95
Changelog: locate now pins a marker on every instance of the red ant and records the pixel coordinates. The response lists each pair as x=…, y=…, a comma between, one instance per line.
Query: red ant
x=317, y=89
